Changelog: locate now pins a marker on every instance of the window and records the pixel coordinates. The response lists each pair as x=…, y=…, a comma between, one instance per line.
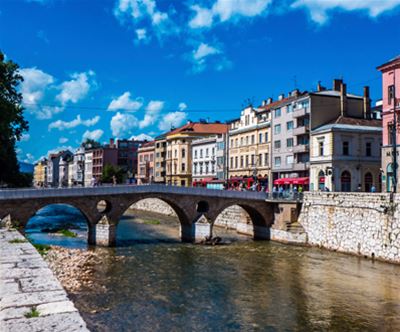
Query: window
x=277, y=144
x=277, y=161
x=345, y=181
x=278, y=113
x=289, y=142
x=260, y=137
x=390, y=133
x=195, y=154
x=290, y=108
x=201, y=153
x=236, y=162
x=289, y=160
x=289, y=125
x=207, y=153
x=260, y=159
x=368, y=149
x=232, y=142
x=252, y=160
x=247, y=140
x=241, y=161
x=241, y=141
x=183, y=153
x=345, y=148
x=247, y=161
x=321, y=148
x=266, y=159
x=390, y=93
x=277, y=129
x=231, y=162
x=266, y=138
x=368, y=181
x=252, y=139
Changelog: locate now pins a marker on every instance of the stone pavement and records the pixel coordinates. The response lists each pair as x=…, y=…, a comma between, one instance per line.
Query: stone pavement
x=27, y=283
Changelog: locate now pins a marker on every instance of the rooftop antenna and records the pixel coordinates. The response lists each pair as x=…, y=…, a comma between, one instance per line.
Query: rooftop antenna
x=295, y=81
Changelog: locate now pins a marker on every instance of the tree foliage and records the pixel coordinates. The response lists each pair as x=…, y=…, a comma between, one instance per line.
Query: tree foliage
x=91, y=143
x=109, y=171
x=12, y=123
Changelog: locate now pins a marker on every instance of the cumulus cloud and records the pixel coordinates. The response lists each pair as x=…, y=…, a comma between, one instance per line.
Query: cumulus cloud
x=201, y=55
x=25, y=137
x=182, y=106
x=141, y=34
x=77, y=88
x=223, y=11
x=63, y=140
x=124, y=102
x=123, y=124
x=319, y=9
x=34, y=85
x=153, y=109
x=142, y=137
x=172, y=119
x=94, y=134
x=62, y=125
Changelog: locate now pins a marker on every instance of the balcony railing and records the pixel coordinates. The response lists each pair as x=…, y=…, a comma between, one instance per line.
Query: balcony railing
x=299, y=112
x=301, y=130
x=301, y=148
x=301, y=166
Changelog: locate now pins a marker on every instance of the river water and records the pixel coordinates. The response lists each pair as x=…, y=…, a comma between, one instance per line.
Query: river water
x=154, y=283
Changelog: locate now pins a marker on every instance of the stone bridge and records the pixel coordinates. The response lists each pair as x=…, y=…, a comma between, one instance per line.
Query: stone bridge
x=103, y=207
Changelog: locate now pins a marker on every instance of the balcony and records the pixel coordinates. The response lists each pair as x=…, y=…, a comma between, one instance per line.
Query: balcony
x=300, y=148
x=301, y=166
x=299, y=112
x=301, y=130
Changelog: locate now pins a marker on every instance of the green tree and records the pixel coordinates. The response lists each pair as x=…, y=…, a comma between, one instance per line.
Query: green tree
x=90, y=143
x=12, y=123
x=109, y=171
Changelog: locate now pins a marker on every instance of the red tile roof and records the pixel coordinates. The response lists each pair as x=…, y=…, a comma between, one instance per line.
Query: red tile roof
x=201, y=128
x=357, y=121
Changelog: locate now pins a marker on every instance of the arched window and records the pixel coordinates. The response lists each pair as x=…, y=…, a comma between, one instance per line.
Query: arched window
x=321, y=180
x=389, y=177
x=368, y=181
x=345, y=181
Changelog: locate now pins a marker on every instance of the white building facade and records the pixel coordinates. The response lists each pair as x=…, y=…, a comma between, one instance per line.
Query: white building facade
x=88, y=171
x=204, y=158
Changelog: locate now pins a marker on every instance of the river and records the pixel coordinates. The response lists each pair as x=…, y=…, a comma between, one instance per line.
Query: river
x=160, y=284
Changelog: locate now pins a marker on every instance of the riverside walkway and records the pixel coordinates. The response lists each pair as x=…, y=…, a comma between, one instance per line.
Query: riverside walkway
x=31, y=297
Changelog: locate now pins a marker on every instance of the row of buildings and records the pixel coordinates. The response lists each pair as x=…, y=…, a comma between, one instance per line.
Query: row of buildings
x=327, y=139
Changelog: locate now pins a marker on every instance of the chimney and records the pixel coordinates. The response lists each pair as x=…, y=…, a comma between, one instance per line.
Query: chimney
x=269, y=100
x=343, y=99
x=295, y=93
x=367, y=103
x=337, y=84
x=281, y=96
x=320, y=87
x=264, y=103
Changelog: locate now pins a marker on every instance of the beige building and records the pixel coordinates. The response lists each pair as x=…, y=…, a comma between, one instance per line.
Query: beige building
x=250, y=144
x=146, y=163
x=178, y=160
x=160, y=154
x=40, y=174
x=345, y=155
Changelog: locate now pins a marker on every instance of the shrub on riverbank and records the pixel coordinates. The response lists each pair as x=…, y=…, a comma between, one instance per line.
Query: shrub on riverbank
x=67, y=233
x=33, y=313
x=42, y=249
x=17, y=241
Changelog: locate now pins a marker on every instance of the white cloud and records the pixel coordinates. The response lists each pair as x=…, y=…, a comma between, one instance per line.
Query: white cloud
x=34, y=86
x=77, y=88
x=319, y=9
x=63, y=140
x=94, y=135
x=142, y=137
x=200, y=56
x=61, y=125
x=47, y=112
x=203, y=51
x=182, y=106
x=136, y=11
x=172, y=119
x=224, y=10
x=25, y=137
x=124, y=102
x=123, y=124
x=29, y=158
x=153, y=109
x=141, y=34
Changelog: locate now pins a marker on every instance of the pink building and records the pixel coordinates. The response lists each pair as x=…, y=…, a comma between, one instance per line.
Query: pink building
x=146, y=163
x=107, y=154
x=390, y=102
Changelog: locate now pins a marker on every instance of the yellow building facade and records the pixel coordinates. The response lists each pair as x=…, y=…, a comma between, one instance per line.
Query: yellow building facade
x=40, y=174
x=250, y=144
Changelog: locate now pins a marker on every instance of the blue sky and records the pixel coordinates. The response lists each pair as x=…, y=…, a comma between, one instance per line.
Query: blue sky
x=123, y=68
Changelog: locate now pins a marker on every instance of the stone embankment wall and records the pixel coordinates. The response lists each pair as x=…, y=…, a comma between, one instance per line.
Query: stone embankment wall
x=358, y=223
x=154, y=205
x=28, y=286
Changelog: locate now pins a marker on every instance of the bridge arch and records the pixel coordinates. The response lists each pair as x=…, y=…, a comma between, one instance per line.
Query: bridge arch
x=246, y=218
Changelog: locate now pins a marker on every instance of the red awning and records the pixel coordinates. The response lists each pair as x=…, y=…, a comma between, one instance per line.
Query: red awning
x=321, y=179
x=301, y=181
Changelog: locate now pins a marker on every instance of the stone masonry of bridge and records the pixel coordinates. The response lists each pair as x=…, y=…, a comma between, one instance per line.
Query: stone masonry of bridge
x=196, y=208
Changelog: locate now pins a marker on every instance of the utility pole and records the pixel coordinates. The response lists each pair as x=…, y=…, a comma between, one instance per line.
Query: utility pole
x=394, y=138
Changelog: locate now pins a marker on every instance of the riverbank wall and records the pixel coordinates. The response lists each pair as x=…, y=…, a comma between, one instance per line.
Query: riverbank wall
x=31, y=297
x=357, y=223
